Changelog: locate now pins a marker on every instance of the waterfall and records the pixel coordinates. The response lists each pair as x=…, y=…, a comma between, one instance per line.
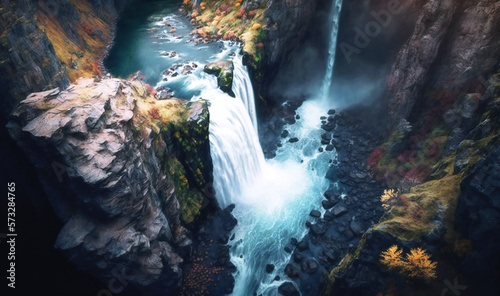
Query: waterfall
x=236, y=153
x=273, y=198
x=332, y=49
x=242, y=87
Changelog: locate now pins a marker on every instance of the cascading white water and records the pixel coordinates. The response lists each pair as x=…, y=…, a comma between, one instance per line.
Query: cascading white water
x=332, y=49
x=236, y=153
x=242, y=87
x=273, y=198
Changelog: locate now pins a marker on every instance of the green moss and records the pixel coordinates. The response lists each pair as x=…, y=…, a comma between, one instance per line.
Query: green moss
x=190, y=200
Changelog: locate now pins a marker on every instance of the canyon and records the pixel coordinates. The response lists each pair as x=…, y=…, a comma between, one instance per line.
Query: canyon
x=267, y=176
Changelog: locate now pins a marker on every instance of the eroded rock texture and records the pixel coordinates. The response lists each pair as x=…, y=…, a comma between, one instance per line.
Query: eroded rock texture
x=104, y=172
x=453, y=48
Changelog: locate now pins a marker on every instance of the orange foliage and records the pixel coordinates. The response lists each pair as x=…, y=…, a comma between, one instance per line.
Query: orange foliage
x=417, y=263
x=389, y=198
x=392, y=257
x=256, y=26
x=154, y=113
x=241, y=13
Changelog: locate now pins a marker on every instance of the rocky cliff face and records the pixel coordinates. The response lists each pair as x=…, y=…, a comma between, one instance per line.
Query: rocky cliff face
x=123, y=171
x=442, y=83
x=458, y=218
x=453, y=48
x=288, y=22
x=47, y=44
x=28, y=60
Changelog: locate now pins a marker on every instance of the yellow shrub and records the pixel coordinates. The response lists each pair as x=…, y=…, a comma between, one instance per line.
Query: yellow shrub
x=417, y=263
x=389, y=198
x=392, y=257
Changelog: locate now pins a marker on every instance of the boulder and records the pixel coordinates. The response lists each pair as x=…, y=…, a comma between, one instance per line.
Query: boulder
x=288, y=289
x=292, y=271
x=327, y=204
x=309, y=265
x=224, y=72
x=315, y=214
x=339, y=210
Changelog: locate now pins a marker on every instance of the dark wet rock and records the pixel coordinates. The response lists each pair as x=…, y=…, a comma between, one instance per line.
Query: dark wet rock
x=302, y=245
x=356, y=227
x=333, y=193
x=309, y=265
x=315, y=214
x=187, y=69
x=331, y=112
x=269, y=268
x=326, y=136
x=318, y=229
x=298, y=257
x=288, y=249
x=320, y=149
x=329, y=148
x=293, y=140
x=293, y=241
x=288, y=289
x=329, y=255
x=327, y=204
x=292, y=271
x=339, y=210
x=328, y=216
x=285, y=134
x=330, y=126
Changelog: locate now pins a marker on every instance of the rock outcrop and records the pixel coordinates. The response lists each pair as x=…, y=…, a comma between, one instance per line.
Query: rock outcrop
x=47, y=44
x=121, y=174
x=460, y=210
x=453, y=49
x=224, y=72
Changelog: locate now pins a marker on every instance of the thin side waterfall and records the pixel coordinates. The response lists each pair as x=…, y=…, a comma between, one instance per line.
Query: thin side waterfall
x=332, y=49
x=242, y=87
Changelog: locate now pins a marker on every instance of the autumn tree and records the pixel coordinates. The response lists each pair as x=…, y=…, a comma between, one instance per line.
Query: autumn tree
x=419, y=265
x=392, y=257
x=416, y=264
x=389, y=198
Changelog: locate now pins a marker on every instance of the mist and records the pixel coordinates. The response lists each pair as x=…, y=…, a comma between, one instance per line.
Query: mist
x=371, y=33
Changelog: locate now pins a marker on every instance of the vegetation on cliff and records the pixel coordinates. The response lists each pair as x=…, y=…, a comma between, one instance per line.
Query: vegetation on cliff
x=180, y=141
x=80, y=39
x=230, y=20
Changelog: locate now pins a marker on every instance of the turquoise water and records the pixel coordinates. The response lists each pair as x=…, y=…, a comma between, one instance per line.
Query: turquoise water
x=273, y=198
x=142, y=38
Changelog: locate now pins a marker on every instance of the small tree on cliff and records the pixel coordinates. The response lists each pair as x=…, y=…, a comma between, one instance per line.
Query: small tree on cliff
x=417, y=263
